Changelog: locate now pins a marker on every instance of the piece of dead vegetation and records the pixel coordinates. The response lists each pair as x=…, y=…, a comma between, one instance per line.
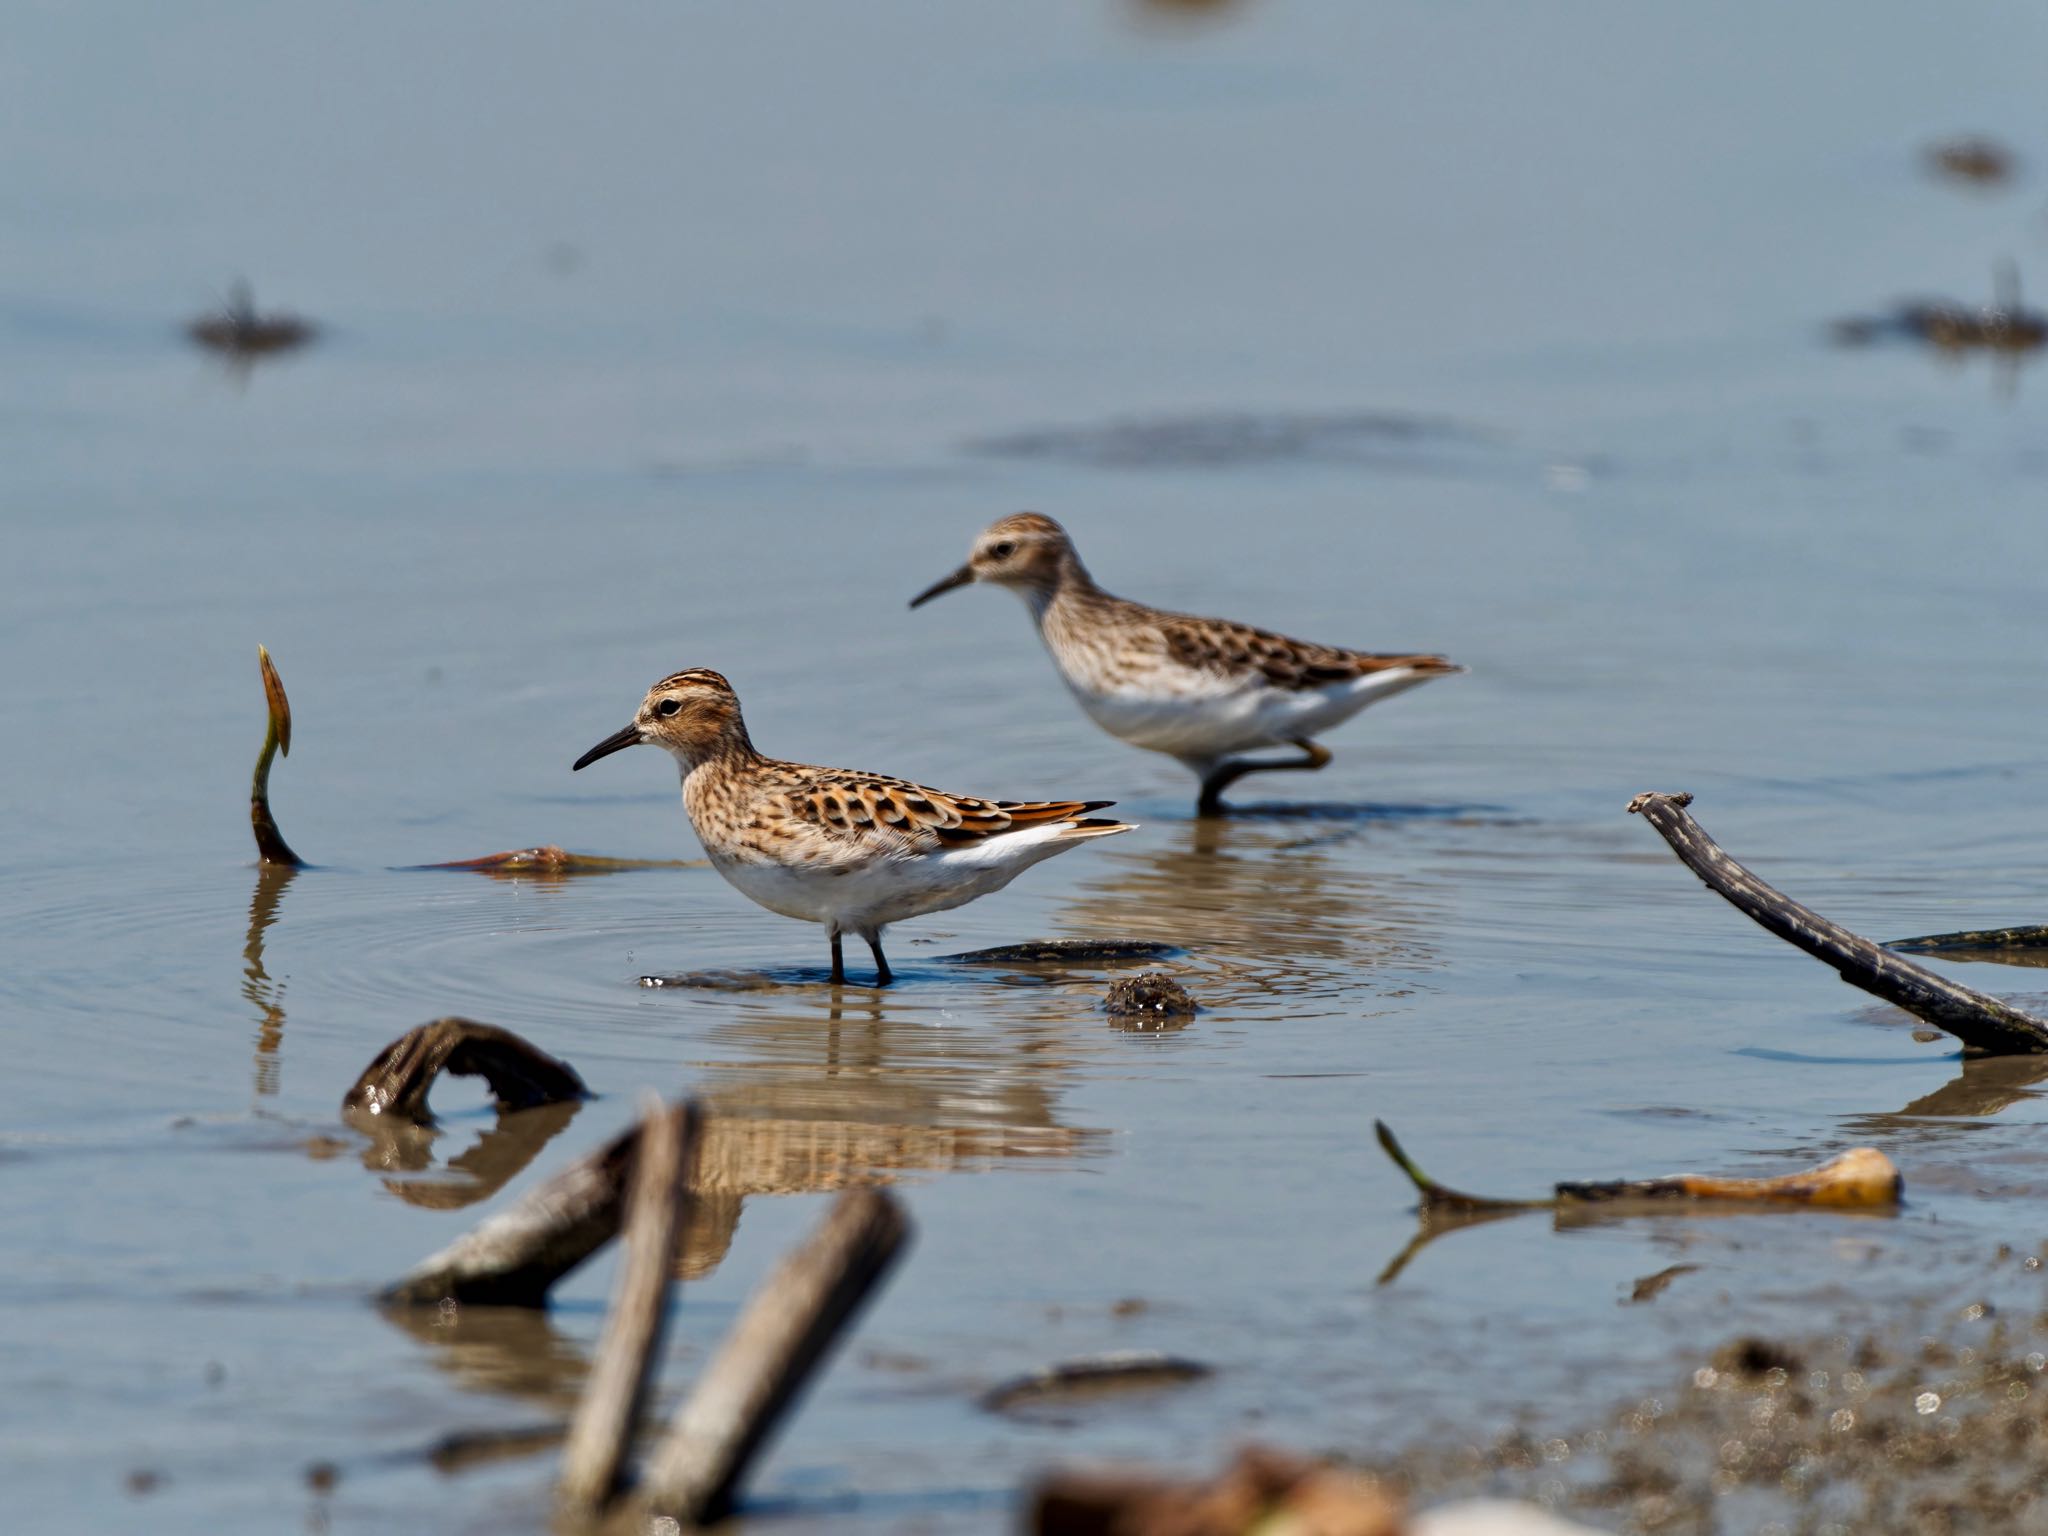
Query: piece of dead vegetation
x=1149, y=996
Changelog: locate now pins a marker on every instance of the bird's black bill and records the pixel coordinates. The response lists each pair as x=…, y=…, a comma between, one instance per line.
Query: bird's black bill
x=618, y=741
x=959, y=578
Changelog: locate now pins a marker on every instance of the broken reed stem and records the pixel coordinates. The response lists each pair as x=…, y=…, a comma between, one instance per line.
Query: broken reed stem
x=601, y=1435
x=780, y=1341
x=1981, y=1022
x=271, y=848
x=1439, y=1197
x=512, y=1259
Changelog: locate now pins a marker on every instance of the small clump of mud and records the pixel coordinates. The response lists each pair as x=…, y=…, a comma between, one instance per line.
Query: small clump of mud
x=1149, y=995
x=1887, y=1431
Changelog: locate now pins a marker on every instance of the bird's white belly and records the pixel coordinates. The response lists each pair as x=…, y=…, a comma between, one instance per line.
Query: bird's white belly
x=1203, y=722
x=858, y=896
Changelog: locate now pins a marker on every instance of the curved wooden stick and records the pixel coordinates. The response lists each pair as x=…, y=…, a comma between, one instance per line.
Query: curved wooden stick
x=271, y=848
x=1981, y=1022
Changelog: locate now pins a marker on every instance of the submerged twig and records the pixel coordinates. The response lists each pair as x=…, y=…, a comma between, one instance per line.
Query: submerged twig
x=551, y=859
x=781, y=1339
x=1094, y=1376
x=271, y=848
x=1981, y=1022
x=241, y=331
x=395, y=1084
x=1861, y=1177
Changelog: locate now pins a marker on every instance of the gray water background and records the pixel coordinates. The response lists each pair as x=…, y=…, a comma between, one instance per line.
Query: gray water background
x=678, y=336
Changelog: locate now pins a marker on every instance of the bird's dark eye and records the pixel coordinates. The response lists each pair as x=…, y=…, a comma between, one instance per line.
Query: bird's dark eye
x=1001, y=551
x=667, y=708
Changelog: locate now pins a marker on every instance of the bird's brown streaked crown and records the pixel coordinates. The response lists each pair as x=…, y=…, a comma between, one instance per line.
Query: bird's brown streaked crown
x=1026, y=550
x=693, y=713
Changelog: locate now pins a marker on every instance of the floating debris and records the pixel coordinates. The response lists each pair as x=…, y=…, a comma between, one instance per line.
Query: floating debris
x=1149, y=995
x=549, y=859
x=469, y=1448
x=1138, y=1370
x=1650, y=1287
x=238, y=330
x=271, y=848
x=1861, y=1178
x=1227, y=439
x=1066, y=951
x=520, y=1075
x=1972, y=157
x=2005, y=326
x=1260, y=1491
x=1981, y=1022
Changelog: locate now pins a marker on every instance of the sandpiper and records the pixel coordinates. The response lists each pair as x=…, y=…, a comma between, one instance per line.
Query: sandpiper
x=854, y=851
x=1200, y=690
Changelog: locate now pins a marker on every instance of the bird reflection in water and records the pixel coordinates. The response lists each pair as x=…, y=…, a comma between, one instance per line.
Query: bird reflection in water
x=1266, y=908
x=864, y=1089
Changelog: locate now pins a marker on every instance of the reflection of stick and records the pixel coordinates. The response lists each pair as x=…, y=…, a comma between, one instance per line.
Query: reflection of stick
x=520, y=1076
x=1979, y=944
x=1981, y=1022
x=514, y=1257
x=615, y=1395
x=271, y=847
x=781, y=1339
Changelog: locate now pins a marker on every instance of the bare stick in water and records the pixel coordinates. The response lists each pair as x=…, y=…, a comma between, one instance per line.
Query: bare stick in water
x=520, y=1075
x=1860, y=1178
x=601, y=1437
x=513, y=1258
x=783, y=1337
x=271, y=848
x=1981, y=1022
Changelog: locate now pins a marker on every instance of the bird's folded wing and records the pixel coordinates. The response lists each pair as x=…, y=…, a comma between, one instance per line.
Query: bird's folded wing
x=1240, y=650
x=865, y=804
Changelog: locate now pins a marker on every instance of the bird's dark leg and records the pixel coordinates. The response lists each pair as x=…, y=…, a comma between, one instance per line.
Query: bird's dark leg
x=838, y=961
x=1314, y=755
x=883, y=975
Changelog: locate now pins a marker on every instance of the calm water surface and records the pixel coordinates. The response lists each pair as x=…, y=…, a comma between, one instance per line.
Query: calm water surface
x=708, y=339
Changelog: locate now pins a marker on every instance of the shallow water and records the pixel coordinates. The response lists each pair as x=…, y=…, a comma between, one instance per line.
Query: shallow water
x=709, y=339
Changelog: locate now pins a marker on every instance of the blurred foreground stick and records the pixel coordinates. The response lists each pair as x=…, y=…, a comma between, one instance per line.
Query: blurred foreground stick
x=1981, y=1022
x=512, y=1259
x=521, y=1076
x=608, y=1417
x=779, y=1342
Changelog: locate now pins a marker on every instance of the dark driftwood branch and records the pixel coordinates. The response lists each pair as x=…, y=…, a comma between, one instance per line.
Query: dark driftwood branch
x=397, y=1080
x=601, y=1437
x=1981, y=1022
x=271, y=848
x=782, y=1338
x=515, y=1257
